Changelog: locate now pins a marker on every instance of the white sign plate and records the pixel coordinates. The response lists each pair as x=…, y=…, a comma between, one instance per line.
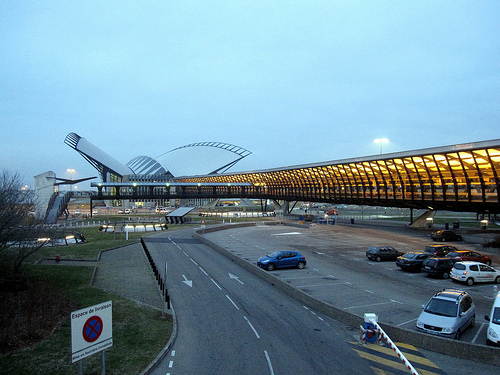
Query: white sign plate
x=91, y=330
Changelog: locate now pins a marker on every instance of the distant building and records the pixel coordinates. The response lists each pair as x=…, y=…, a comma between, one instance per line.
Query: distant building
x=202, y=158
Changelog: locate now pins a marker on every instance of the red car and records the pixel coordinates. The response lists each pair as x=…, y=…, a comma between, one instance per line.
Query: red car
x=467, y=255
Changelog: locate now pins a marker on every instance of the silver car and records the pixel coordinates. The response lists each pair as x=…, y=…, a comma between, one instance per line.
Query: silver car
x=448, y=313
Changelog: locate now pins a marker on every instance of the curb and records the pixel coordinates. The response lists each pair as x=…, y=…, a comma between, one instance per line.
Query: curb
x=148, y=370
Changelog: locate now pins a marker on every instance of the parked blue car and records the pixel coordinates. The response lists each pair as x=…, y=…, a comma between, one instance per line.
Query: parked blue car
x=282, y=259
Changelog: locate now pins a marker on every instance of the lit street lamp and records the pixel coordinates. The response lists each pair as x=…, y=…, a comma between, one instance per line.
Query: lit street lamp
x=70, y=176
x=381, y=141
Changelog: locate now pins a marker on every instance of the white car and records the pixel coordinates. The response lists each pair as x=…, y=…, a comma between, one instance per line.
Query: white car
x=493, y=335
x=474, y=272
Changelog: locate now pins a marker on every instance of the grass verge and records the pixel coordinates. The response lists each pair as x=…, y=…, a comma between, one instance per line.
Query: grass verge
x=139, y=333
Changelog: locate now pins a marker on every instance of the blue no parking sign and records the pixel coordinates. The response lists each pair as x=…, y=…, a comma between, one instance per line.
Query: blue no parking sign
x=91, y=330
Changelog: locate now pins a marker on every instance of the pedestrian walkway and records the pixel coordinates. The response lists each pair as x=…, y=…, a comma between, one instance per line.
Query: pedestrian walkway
x=125, y=271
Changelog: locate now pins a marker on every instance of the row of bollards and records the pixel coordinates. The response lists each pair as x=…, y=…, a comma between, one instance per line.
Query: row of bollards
x=156, y=272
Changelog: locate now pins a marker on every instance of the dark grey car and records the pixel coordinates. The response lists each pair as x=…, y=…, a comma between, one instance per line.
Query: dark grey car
x=412, y=261
x=379, y=253
x=438, y=267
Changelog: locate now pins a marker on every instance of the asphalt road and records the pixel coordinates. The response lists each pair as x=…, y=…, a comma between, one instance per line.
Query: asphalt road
x=339, y=273
x=231, y=322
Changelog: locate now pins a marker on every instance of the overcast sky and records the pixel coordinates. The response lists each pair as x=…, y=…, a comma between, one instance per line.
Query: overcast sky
x=292, y=81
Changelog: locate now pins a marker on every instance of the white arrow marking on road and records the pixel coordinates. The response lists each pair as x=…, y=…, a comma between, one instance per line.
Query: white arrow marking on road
x=231, y=276
x=187, y=282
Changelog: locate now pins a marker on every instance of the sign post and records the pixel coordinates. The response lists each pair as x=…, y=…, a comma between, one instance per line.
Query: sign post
x=91, y=332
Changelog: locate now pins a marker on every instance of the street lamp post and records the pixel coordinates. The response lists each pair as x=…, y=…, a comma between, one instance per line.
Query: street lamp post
x=381, y=141
x=70, y=170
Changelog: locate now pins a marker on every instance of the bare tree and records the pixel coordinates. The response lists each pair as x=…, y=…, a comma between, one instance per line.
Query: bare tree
x=20, y=233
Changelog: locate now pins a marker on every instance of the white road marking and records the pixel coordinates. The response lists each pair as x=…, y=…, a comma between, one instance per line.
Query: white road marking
x=217, y=285
x=234, y=304
x=187, y=282
x=318, y=285
x=302, y=278
x=251, y=326
x=404, y=323
x=231, y=276
x=478, y=332
x=269, y=362
x=372, y=304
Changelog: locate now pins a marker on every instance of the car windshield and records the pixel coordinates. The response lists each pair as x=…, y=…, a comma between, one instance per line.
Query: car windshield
x=496, y=316
x=442, y=307
x=409, y=255
x=459, y=266
x=274, y=254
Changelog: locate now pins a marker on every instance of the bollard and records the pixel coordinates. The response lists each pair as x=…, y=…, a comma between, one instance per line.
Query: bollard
x=372, y=319
x=369, y=329
x=167, y=299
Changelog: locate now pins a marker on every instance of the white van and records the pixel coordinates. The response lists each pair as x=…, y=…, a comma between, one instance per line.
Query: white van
x=493, y=335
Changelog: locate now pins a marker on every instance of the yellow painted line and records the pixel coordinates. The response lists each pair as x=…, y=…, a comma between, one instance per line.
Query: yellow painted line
x=410, y=357
x=392, y=364
x=382, y=361
x=425, y=372
x=406, y=346
x=378, y=371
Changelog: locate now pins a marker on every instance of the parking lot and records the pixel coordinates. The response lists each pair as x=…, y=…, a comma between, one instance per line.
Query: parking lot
x=339, y=273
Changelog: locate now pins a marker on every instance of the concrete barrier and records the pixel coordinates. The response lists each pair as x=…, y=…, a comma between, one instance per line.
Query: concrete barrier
x=460, y=349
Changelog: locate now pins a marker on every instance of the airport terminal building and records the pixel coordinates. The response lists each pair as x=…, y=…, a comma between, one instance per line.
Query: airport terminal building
x=463, y=177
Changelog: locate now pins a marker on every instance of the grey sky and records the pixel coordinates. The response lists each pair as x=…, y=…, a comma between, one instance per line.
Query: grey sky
x=292, y=81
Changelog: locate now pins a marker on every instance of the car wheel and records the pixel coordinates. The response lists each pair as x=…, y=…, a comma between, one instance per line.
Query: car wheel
x=497, y=280
x=470, y=281
x=443, y=239
x=446, y=275
x=459, y=238
x=488, y=262
x=458, y=334
x=378, y=259
x=270, y=267
x=300, y=265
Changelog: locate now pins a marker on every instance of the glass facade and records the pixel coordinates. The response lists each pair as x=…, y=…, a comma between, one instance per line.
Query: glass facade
x=459, y=178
